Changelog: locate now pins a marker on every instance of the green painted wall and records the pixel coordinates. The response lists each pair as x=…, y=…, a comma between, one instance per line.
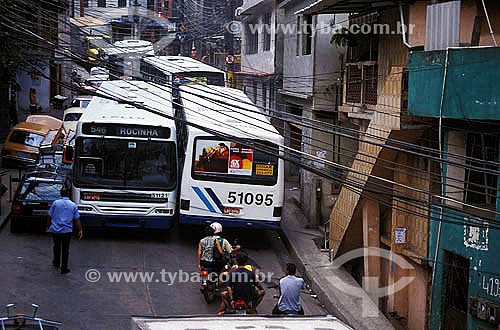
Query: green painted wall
x=479, y=245
x=472, y=84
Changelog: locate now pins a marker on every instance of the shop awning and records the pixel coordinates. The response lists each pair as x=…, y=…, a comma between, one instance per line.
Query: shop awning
x=346, y=6
x=86, y=21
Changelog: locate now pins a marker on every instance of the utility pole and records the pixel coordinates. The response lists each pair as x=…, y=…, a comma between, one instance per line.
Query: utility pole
x=136, y=19
x=82, y=10
x=229, y=38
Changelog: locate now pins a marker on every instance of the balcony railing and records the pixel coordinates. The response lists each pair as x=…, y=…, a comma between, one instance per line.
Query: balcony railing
x=360, y=83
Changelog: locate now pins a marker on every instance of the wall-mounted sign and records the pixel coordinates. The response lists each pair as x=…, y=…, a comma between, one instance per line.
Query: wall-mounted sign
x=400, y=235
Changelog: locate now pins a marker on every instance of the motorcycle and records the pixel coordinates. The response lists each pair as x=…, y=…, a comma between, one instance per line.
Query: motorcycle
x=21, y=321
x=210, y=278
x=240, y=307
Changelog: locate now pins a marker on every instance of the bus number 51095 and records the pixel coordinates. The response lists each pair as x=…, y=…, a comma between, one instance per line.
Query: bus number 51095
x=249, y=198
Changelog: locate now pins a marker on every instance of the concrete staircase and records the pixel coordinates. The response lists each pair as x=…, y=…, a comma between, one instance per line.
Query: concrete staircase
x=382, y=123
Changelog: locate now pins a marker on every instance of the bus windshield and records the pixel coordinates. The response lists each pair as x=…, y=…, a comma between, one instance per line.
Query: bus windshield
x=127, y=164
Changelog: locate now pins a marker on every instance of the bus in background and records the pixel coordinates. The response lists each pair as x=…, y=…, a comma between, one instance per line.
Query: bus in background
x=224, y=180
x=125, y=164
x=124, y=57
x=167, y=69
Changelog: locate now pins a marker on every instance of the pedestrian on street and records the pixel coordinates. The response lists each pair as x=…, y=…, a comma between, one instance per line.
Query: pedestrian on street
x=290, y=287
x=62, y=213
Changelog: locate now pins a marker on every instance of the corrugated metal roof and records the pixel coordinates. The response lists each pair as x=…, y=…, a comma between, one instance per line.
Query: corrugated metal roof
x=443, y=26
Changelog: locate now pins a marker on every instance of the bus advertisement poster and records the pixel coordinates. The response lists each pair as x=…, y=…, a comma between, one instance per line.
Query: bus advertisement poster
x=226, y=157
x=240, y=160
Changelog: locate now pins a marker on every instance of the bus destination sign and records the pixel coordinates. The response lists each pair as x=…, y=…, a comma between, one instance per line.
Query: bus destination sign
x=126, y=130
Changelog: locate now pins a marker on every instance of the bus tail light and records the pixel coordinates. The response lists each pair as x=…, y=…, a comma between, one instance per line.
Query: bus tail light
x=185, y=204
x=277, y=212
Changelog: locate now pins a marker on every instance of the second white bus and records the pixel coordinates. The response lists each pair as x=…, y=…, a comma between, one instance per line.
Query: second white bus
x=225, y=179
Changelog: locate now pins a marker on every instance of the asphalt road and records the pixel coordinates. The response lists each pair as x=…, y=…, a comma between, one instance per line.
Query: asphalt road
x=27, y=276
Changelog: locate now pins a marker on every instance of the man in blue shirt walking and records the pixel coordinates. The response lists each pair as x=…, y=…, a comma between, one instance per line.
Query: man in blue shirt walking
x=60, y=223
x=290, y=287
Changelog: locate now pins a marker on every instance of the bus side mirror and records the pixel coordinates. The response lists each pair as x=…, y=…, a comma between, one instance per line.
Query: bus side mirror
x=68, y=155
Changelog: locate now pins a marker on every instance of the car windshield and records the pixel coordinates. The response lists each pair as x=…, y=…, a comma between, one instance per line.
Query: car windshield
x=72, y=117
x=125, y=163
x=40, y=191
x=26, y=138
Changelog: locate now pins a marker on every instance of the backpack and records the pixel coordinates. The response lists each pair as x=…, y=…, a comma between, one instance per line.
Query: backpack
x=217, y=256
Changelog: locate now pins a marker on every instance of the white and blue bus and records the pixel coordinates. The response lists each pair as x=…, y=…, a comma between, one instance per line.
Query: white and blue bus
x=166, y=69
x=228, y=180
x=125, y=164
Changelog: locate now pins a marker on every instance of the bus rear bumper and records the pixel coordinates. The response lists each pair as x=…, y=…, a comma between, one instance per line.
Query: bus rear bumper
x=135, y=221
x=234, y=223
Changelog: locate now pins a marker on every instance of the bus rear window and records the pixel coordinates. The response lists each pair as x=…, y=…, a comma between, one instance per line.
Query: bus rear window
x=226, y=161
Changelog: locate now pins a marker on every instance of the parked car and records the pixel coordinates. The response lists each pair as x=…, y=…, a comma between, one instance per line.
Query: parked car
x=71, y=118
x=22, y=145
x=33, y=199
x=81, y=101
x=45, y=120
x=21, y=148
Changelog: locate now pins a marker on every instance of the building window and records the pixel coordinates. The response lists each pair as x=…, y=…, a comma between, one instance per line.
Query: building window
x=252, y=38
x=151, y=5
x=271, y=95
x=101, y=3
x=85, y=3
x=264, y=95
x=298, y=28
x=254, y=86
x=481, y=186
x=307, y=39
x=122, y=3
x=266, y=21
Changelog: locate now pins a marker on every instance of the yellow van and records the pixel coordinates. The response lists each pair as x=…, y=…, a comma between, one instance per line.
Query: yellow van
x=22, y=145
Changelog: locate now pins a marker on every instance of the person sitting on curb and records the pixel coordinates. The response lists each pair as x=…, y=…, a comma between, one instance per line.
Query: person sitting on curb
x=289, y=288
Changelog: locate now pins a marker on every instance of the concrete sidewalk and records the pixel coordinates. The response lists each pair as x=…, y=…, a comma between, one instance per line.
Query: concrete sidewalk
x=324, y=278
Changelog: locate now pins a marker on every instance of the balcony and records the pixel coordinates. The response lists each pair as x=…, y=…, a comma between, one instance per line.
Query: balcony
x=470, y=91
x=360, y=88
x=253, y=7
